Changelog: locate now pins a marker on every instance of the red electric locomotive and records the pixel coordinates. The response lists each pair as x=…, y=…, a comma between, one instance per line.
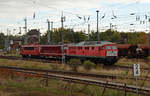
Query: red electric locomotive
x=96, y=51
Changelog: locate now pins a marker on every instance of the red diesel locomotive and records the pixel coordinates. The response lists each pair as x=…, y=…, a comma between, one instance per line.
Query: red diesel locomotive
x=95, y=51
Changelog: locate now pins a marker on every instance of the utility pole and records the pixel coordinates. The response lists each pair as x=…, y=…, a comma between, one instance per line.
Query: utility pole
x=110, y=26
x=97, y=25
x=48, y=35
x=149, y=35
x=7, y=40
x=88, y=32
x=25, y=20
x=39, y=35
x=19, y=30
x=51, y=30
x=62, y=27
x=62, y=20
x=51, y=26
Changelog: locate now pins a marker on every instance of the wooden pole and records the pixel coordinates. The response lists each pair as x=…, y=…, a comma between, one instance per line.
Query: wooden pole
x=104, y=88
x=46, y=83
x=125, y=92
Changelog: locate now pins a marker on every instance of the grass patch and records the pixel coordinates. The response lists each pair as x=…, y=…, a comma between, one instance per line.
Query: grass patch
x=100, y=69
x=129, y=62
x=34, y=87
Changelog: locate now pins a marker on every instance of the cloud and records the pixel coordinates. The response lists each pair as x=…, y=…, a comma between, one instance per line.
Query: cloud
x=127, y=1
x=13, y=11
x=16, y=9
x=25, y=8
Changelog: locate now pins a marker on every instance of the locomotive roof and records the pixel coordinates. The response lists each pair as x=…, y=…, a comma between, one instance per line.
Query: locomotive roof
x=91, y=43
x=84, y=43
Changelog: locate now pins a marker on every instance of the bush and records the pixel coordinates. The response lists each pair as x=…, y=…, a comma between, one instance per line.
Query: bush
x=148, y=58
x=74, y=64
x=54, y=66
x=88, y=65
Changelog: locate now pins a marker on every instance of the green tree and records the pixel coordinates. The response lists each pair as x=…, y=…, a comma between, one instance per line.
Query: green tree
x=74, y=64
x=110, y=35
x=88, y=65
x=93, y=36
x=2, y=40
x=68, y=35
x=80, y=36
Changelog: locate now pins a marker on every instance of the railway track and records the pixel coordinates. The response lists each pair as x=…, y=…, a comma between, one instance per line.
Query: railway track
x=82, y=80
x=29, y=59
x=54, y=61
x=83, y=74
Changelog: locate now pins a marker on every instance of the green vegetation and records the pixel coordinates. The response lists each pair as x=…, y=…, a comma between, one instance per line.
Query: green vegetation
x=129, y=62
x=2, y=40
x=148, y=58
x=99, y=69
x=88, y=65
x=36, y=87
x=74, y=64
x=110, y=35
x=25, y=64
x=71, y=36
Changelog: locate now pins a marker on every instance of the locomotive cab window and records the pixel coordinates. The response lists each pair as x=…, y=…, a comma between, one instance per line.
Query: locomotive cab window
x=28, y=48
x=108, y=47
x=114, y=47
x=103, y=48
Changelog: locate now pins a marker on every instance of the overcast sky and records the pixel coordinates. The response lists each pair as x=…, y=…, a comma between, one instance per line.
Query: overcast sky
x=13, y=13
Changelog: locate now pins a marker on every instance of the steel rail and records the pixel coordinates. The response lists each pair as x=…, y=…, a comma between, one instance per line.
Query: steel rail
x=28, y=59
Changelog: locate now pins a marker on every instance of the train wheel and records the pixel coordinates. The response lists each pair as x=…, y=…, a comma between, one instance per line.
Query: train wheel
x=94, y=61
x=109, y=63
x=24, y=56
x=82, y=61
x=106, y=63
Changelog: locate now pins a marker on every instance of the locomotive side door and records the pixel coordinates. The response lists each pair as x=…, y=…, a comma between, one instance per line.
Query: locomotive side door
x=97, y=51
x=102, y=50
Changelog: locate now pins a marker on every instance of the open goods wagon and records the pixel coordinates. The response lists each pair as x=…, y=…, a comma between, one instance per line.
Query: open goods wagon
x=133, y=50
